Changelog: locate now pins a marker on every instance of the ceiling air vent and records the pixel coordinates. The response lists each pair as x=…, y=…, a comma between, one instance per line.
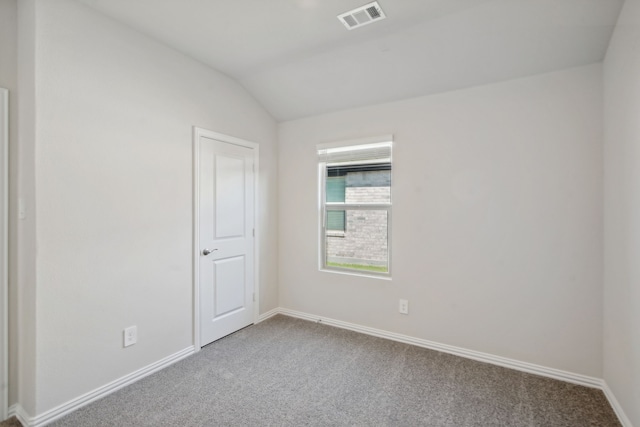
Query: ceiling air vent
x=363, y=15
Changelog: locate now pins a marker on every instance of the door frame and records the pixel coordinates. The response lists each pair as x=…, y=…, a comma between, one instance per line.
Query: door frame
x=197, y=134
x=4, y=253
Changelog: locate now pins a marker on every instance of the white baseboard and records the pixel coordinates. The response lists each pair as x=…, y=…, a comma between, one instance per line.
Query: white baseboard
x=624, y=420
x=100, y=392
x=72, y=405
x=267, y=315
x=457, y=351
x=472, y=354
x=19, y=412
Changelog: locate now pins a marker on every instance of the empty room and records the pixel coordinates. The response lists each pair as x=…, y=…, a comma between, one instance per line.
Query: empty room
x=320, y=212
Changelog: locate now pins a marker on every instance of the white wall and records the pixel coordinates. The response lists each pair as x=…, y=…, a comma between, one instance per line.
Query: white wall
x=8, y=80
x=497, y=229
x=622, y=212
x=497, y=223
x=113, y=157
x=23, y=362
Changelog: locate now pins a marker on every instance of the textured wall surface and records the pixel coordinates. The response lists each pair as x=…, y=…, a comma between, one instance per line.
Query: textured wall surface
x=497, y=219
x=9, y=81
x=622, y=212
x=115, y=116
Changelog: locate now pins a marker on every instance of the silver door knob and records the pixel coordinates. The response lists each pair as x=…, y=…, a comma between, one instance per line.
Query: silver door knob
x=206, y=252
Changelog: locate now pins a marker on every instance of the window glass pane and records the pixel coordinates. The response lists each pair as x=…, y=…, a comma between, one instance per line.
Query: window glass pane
x=364, y=244
x=368, y=187
x=335, y=220
x=359, y=184
x=335, y=188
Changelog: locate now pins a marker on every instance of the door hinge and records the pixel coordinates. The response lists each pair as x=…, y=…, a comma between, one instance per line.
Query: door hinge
x=254, y=232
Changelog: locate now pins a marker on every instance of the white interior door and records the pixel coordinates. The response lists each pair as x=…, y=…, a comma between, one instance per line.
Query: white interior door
x=226, y=238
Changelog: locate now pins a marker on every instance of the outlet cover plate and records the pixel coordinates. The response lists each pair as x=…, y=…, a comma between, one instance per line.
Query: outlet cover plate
x=130, y=336
x=404, y=306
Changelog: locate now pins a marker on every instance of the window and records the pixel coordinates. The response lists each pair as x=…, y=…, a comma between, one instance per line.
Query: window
x=355, y=206
x=336, y=220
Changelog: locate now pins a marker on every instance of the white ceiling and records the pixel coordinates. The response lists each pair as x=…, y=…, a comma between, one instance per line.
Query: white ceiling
x=298, y=60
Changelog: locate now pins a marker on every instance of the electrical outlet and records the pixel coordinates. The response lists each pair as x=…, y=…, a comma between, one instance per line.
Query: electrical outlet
x=130, y=336
x=404, y=306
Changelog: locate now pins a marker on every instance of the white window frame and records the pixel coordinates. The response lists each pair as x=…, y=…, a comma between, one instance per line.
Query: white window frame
x=324, y=206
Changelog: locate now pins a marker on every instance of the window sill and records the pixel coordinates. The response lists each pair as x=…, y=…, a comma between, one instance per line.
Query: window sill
x=335, y=233
x=357, y=273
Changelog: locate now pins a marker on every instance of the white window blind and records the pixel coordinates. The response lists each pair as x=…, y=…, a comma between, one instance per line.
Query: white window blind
x=355, y=154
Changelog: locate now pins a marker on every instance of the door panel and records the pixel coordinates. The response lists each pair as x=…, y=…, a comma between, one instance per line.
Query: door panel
x=230, y=195
x=226, y=212
x=229, y=294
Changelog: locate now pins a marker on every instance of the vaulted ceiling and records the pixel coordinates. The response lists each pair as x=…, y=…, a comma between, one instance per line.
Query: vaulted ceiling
x=297, y=59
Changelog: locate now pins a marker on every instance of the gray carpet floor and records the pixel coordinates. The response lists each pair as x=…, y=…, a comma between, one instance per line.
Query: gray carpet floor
x=11, y=422
x=291, y=372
